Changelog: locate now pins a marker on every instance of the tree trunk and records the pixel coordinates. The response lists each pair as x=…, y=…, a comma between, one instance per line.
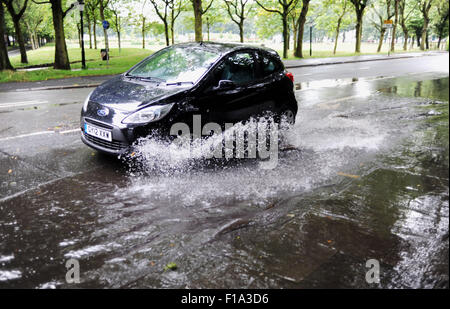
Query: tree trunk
x=172, y=22
x=105, y=31
x=337, y=35
x=118, y=30
x=359, y=24
x=20, y=39
x=241, y=32
x=288, y=39
x=380, y=43
x=405, y=43
x=285, y=37
x=394, y=28
x=294, y=34
x=166, y=33
x=94, y=28
x=405, y=34
x=423, y=36
x=143, y=32
x=61, y=55
x=90, y=33
x=301, y=27
x=5, y=64
x=197, y=4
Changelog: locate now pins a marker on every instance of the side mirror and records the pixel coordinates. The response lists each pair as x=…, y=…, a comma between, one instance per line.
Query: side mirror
x=226, y=85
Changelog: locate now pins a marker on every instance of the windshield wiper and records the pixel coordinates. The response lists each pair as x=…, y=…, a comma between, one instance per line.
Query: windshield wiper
x=147, y=78
x=178, y=83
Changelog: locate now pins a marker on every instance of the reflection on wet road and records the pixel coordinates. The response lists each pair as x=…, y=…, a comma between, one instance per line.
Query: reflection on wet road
x=367, y=178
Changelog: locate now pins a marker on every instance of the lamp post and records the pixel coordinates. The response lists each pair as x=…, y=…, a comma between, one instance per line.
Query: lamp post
x=83, y=56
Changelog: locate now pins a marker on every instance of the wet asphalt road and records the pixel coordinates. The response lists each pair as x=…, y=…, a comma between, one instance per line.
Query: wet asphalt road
x=367, y=178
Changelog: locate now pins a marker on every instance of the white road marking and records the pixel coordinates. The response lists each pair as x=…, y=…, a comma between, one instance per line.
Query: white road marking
x=38, y=133
x=27, y=135
x=365, y=68
x=22, y=103
x=69, y=131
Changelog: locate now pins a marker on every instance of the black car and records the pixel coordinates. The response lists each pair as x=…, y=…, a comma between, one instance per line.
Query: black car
x=223, y=83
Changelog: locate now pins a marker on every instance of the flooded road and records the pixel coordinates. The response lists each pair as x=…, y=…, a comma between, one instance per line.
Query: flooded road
x=366, y=177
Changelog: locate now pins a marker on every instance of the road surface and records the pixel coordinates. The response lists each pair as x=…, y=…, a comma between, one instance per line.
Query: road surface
x=366, y=178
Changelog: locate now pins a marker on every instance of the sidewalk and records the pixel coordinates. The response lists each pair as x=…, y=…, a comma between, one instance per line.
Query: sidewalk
x=289, y=64
x=94, y=81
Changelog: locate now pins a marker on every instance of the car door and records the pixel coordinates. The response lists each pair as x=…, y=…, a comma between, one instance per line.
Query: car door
x=235, y=102
x=269, y=83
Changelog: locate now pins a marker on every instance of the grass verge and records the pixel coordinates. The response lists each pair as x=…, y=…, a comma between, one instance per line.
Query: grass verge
x=118, y=63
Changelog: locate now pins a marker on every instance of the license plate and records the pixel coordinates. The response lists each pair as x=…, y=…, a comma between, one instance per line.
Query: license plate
x=98, y=132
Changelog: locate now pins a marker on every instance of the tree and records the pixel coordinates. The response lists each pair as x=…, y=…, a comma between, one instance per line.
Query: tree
x=5, y=64
x=102, y=8
x=36, y=19
x=267, y=24
x=382, y=10
x=415, y=24
x=176, y=7
x=58, y=15
x=360, y=6
x=117, y=22
x=301, y=28
x=92, y=17
x=425, y=6
x=440, y=20
x=333, y=15
x=394, y=26
x=16, y=9
x=198, y=13
x=238, y=14
x=162, y=8
x=212, y=17
x=405, y=11
x=283, y=8
x=140, y=20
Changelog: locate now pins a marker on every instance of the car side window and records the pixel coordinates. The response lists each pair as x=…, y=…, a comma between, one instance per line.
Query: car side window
x=239, y=68
x=269, y=65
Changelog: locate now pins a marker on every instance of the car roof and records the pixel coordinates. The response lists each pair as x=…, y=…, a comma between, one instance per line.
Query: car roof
x=225, y=48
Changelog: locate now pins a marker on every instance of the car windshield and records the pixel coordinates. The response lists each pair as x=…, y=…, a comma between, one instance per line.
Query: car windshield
x=176, y=65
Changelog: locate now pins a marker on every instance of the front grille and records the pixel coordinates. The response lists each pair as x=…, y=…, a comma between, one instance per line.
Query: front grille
x=114, y=145
x=98, y=123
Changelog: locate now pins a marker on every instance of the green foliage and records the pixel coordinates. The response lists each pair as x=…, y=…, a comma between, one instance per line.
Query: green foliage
x=440, y=18
x=329, y=12
x=267, y=24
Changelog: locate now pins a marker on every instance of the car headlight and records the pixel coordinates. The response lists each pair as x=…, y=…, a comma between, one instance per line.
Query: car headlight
x=86, y=102
x=149, y=114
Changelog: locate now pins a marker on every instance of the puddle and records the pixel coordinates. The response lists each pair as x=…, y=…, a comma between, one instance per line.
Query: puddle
x=366, y=178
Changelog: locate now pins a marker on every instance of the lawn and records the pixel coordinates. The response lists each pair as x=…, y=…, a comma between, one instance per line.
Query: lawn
x=325, y=50
x=118, y=63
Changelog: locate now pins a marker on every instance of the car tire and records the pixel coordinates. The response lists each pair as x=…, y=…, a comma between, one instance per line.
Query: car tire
x=286, y=119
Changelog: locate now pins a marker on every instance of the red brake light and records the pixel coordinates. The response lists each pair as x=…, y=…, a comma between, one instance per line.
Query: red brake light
x=290, y=75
